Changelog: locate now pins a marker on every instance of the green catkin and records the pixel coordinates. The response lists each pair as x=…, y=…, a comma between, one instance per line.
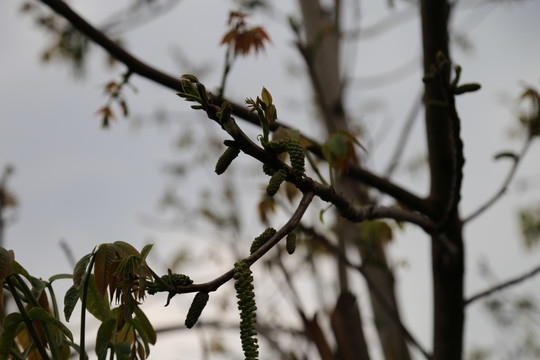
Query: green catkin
x=290, y=242
x=275, y=182
x=196, y=308
x=297, y=156
x=268, y=170
x=177, y=279
x=278, y=146
x=295, y=150
x=173, y=279
x=246, y=304
x=226, y=159
x=229, y=125
x=261, y=239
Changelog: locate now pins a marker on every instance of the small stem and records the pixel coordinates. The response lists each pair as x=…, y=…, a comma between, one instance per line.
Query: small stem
x=506, y=183
x=503, y=285
x=226, y=70
x=82, y=354
x=26, y=319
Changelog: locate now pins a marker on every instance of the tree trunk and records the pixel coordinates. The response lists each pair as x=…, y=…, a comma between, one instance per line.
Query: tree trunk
x=322, y=40
x=447, y=244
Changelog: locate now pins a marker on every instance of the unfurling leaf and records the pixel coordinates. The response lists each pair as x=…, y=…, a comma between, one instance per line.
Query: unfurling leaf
x=191, y=78
x=266, y=97
x=339, y=151
x=241, y=38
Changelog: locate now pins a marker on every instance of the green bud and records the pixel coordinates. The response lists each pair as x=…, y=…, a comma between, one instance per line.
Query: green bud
x=465, y=88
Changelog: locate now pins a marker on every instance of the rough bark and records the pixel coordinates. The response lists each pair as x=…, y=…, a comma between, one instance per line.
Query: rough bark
x=447, y=244
x=322, y=40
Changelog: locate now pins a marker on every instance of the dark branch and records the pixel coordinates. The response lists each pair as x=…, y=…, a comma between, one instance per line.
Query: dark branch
x=140, y=68
x=503, y=285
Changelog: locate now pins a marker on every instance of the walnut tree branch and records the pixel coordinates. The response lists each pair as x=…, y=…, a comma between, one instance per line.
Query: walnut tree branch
x=140, y=68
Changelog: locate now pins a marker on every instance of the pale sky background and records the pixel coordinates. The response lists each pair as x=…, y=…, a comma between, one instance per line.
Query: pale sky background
x=78, y=182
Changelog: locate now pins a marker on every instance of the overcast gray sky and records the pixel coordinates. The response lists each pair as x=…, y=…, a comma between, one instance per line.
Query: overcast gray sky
x=78, y=182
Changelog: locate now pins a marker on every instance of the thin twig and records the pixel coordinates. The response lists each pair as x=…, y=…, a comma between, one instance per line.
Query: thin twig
x=404, y=135
x=503, y=285
x=504, y=187
x=287, y=228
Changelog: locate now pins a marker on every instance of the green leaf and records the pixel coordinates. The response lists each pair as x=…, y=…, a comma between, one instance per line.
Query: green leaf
x=17, y=268
x=123, y=248
x=104, y=336
x=146, y=326
x=70, y=300
x=122, y=350
x=336, y=146
x=97, y=304
x=266, y=97
x=79, y=272
x=191, y=78
x=9, y=332
x=104, y=266
x=38, y=313
x=6, y=263
x=145, y=251
x=352, y=138
x=142, y=334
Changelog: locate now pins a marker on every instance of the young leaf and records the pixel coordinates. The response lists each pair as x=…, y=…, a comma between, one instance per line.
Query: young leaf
x=146, y=326
x=70, y=300
x=266, y=97
x=96, y=304
x=104, y=336
x=38, y=313
x=122, y=351
x=104, y=267
x=191, y=78
x=6, y=261
x=79, y=272
x=9, y=332
x=145, y=251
